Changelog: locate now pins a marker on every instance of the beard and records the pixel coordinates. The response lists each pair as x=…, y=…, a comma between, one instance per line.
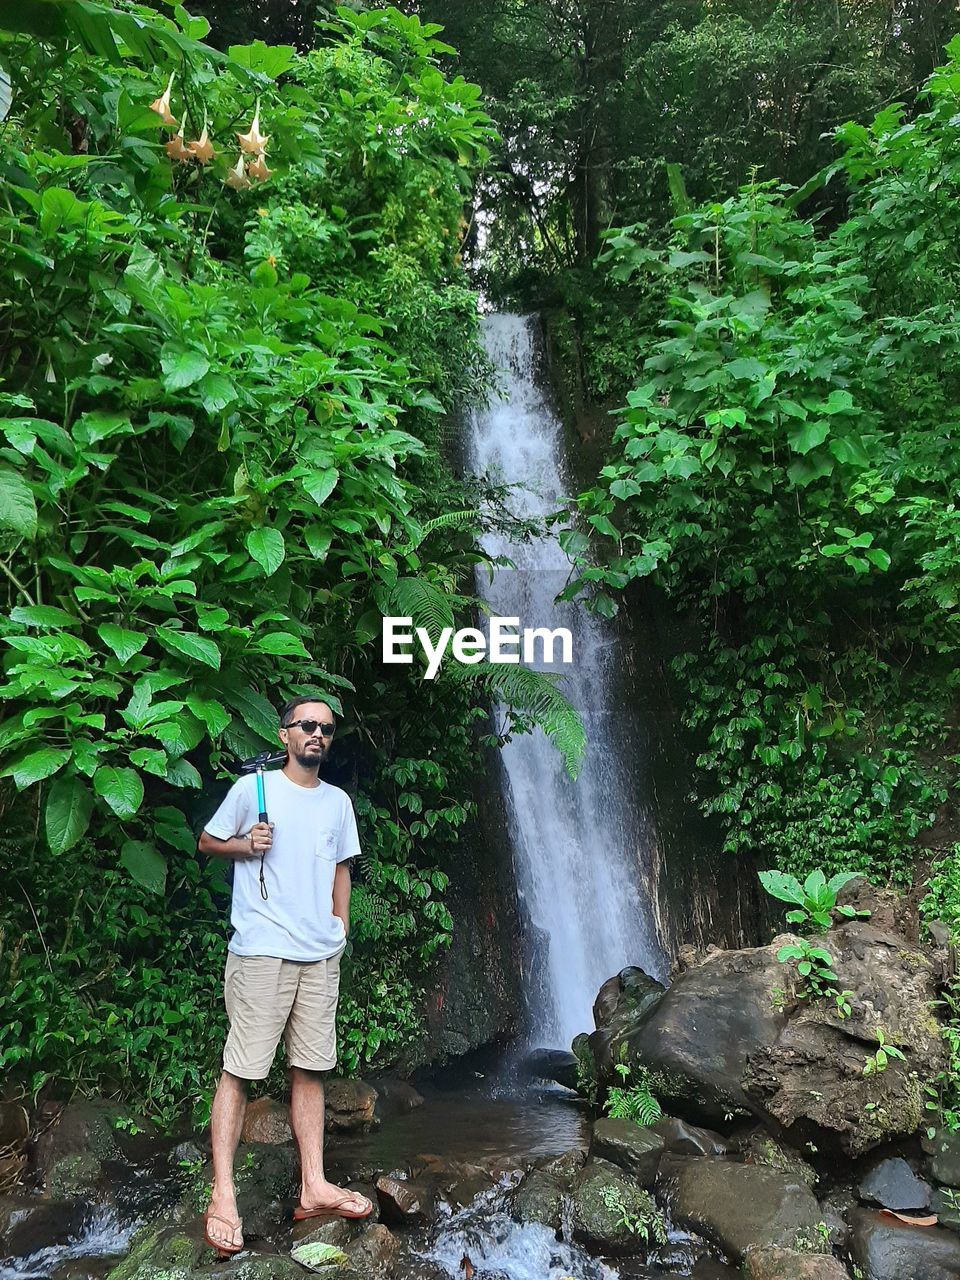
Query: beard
x=311, y=759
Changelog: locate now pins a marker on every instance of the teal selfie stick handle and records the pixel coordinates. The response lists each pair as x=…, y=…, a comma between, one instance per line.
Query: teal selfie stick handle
x=261, y=798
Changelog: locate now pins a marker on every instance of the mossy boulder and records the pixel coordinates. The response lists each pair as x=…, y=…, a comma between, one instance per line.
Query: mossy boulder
x=539, y=1198
x=632, y=1148
x=740, y=1207
x=161, y=1250
x=612, y=1212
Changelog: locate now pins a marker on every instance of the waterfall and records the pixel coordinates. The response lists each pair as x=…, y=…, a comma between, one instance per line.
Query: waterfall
x=586, y=853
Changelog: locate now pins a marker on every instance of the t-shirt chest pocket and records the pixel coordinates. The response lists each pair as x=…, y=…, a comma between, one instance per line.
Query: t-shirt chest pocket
x=326, y=843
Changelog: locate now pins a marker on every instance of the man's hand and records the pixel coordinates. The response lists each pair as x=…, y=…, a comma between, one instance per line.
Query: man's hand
x=261, y=838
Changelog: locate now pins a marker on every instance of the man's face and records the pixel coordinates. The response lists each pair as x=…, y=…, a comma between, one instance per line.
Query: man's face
x=309, y=749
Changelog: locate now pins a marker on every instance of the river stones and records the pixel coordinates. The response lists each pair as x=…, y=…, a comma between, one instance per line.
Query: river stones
x=737, y=1206
x=159, y=1248
x=29, y=1224
x=689, y=1139
x=411, y=1202
x=552, y=1064
x=539, y=1198
x=350, y=1104
x=788, y=1264
x=612, y=1213
x=892, y=1184
x=760, y=1148
x=374, y=1252
x=636, y=1150
x=267, y=1120
x=884, y=1248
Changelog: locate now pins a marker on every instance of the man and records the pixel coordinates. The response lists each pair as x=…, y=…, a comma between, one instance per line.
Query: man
x=282, y=975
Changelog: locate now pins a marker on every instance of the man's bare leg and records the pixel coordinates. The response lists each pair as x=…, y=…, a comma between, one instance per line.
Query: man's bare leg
x=306, y=1120
x=226, y=1123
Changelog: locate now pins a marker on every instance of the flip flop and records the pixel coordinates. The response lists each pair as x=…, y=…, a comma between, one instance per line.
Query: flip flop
x=224, y=1250
x=335, y=1210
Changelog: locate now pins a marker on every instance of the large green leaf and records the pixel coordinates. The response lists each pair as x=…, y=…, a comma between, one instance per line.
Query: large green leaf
x=267, y=548
x=282, y=644
x=67, y=813
x=210, y=712
x=121, y=788
x=256, y=712
x=18, y=509
x=182, y=367
x=43, y=615
x=37, y=765
x=190, y=645
x=124, y=643
x=146, y=865
x=320, y=484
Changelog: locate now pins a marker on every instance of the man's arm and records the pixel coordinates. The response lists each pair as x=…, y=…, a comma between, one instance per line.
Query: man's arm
x=341, y=894
x=256, y=841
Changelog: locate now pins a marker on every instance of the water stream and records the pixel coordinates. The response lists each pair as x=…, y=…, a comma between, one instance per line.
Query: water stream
x=586, y=854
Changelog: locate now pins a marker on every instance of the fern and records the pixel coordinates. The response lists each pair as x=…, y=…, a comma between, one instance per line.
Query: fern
x=634, y=1102
x=449, y=520
x=426, y=603
x=536, y=694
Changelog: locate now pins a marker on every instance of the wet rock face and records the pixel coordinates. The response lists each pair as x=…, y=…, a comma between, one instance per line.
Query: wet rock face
x=552, y=1064
x=727, y=1037
x=740, y=1207
x=411, y=1202
x=689, y=1139
x=892, y=1184
x=634, y=1149
x=28, y=1224
x=886, y=1249
x=159, y=1248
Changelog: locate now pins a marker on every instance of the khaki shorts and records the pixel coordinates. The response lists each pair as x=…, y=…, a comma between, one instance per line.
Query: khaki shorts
x=267, y=998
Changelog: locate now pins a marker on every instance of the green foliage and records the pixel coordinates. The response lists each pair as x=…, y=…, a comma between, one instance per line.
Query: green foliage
x=633, y=1101
x=814, y=967
x=641, y=1218
x=783, y=473
x=219, y=458
x=942, y=902
x=816, y=898
x=877, y=1062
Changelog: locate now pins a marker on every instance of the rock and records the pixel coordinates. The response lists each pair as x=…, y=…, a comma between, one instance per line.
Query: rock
x=760, y=1149
x=612, y=1213
x=267, y=1121
x=943, y=1152
x=468, y=1189
x=395, y=1097
x=738, y=1206
x=719, y=1042
x=374, y=1252
x=539, y=1198
x=566, y=1166
x=85, y=1128
x=630, y=994
x=788, y=1264
x=409, y=1202
x=689, y=1139
x=892, y=1184
x=257, y=1266
x=77, y=1176
x=267, y=1179
x=159, y=1247
x=350, y=1104
x=636, y=1150
x=333, y=1231
x=887, y=1249
x=552, y=1064
x=29, y=1224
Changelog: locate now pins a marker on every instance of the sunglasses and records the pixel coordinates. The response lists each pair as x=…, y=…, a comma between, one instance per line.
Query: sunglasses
x=308, y=726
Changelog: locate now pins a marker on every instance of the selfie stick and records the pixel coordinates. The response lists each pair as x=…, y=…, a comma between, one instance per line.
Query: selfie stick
x=257, y=764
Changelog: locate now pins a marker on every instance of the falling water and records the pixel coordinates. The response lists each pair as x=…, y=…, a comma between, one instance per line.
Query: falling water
x=585, y=853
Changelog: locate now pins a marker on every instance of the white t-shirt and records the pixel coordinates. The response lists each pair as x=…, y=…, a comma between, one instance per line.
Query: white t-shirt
x=314, y=828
